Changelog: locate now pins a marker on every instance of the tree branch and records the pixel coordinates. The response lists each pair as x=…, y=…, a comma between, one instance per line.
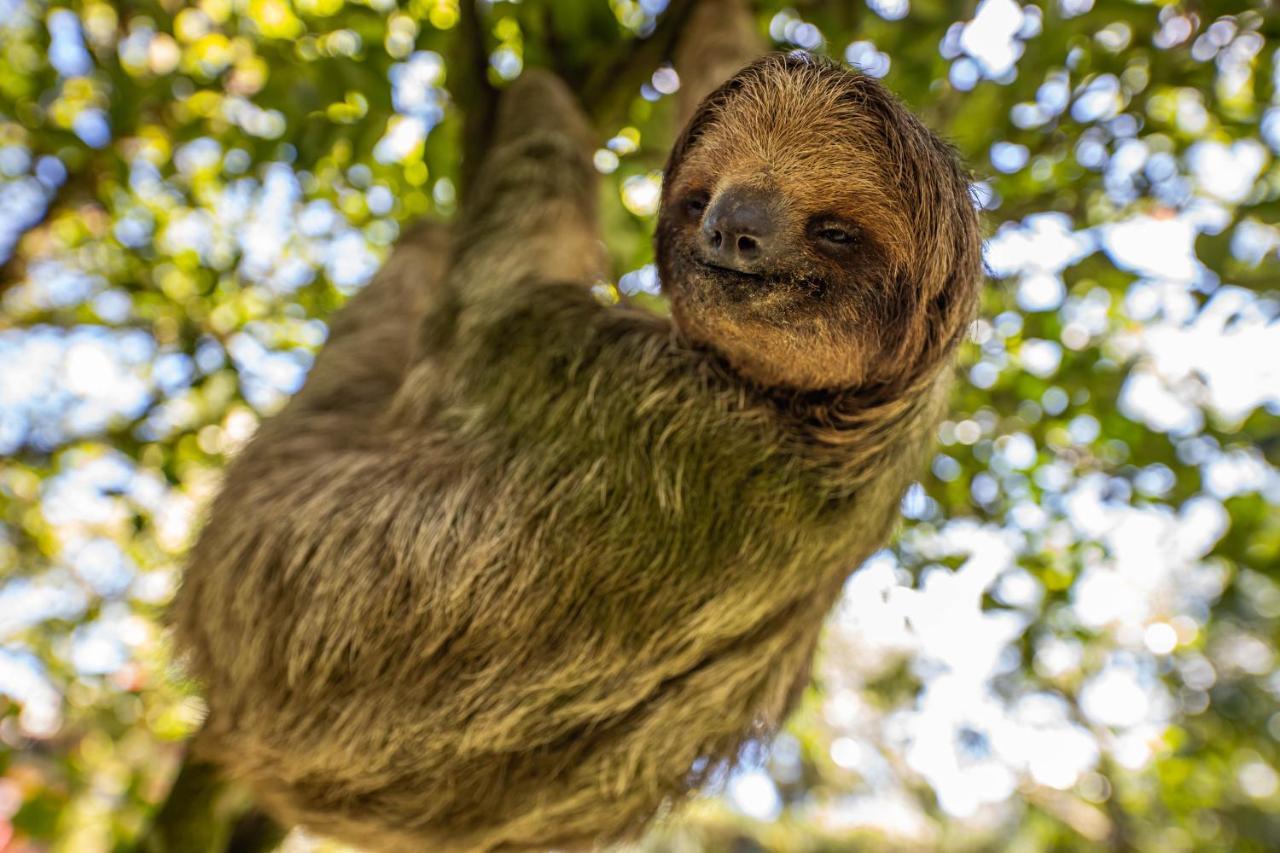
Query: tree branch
x=609, y=90
x=471, y=60
x=256, y=833
x=197, y=815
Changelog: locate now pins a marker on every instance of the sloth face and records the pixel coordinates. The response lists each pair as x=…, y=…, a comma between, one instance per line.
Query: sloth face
x=810, y=226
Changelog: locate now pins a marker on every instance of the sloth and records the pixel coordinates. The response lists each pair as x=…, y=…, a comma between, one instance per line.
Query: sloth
x=518, y=567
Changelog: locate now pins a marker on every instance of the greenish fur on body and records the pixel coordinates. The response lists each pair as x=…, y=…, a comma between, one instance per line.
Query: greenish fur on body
x=518, y=568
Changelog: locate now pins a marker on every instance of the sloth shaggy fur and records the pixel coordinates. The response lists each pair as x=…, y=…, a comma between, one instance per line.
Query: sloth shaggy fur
x=517, y=568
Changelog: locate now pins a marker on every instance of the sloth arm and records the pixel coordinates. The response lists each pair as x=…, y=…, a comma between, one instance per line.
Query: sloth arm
x=371, y=338
x=719, y=39
x=531, y=215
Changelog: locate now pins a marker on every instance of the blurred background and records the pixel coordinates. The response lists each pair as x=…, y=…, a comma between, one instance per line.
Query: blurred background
x=1071, y=644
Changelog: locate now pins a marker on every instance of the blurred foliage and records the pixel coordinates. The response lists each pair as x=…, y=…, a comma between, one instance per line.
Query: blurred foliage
x=1078, y=624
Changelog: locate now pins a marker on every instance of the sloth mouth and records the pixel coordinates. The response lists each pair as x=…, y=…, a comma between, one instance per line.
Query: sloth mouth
x=727, y=275
x=730, y=270
x=756, y=285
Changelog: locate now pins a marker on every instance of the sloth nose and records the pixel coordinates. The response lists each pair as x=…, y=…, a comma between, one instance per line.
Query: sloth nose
x=741, y=229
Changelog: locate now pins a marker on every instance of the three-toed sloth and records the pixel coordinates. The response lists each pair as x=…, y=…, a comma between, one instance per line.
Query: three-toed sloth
x=517, y=567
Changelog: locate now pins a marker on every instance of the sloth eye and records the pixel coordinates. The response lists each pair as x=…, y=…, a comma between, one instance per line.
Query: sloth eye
x=696, y=204
x=839, y=236
x=834, y=236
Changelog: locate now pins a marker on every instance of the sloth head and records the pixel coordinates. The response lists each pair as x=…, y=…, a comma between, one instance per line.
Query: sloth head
x=814, y=232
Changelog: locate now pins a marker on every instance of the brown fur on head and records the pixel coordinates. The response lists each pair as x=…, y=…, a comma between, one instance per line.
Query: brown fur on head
x=874, y=262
